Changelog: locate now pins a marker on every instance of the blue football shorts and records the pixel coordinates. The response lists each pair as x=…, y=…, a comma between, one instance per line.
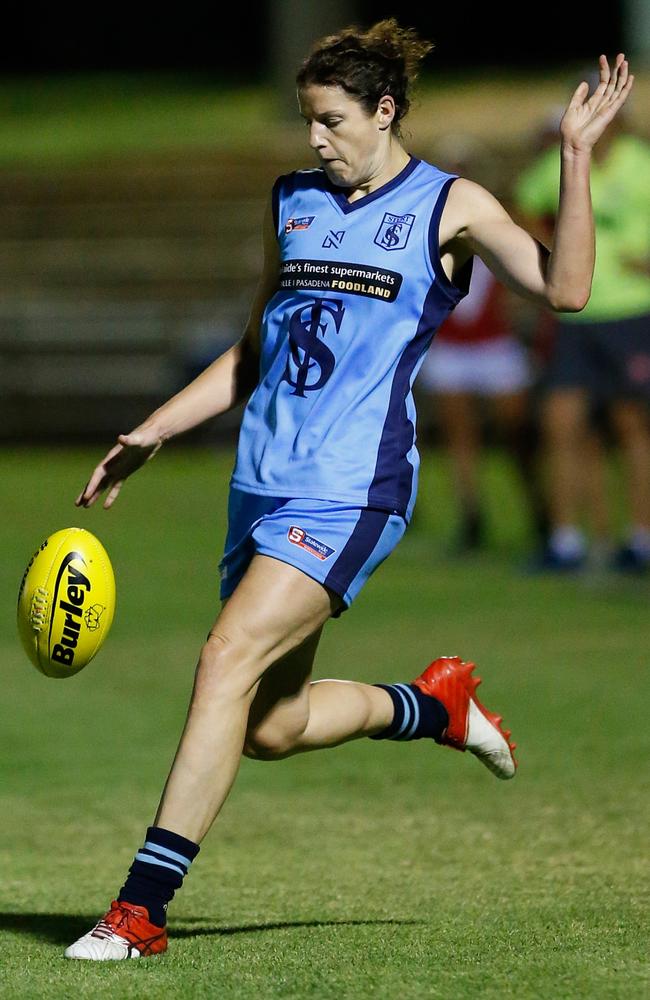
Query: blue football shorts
x=335, y=543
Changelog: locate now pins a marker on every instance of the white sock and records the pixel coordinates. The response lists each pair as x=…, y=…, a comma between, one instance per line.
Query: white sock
x=568, y=542
x=640, y=541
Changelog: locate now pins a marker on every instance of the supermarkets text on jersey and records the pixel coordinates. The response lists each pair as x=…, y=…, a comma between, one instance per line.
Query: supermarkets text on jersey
x=340, y=276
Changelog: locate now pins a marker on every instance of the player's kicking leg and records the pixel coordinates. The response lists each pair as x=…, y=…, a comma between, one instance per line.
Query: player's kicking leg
x=440, y=704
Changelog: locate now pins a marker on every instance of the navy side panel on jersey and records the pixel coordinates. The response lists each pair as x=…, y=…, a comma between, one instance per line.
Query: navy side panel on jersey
x=361, y=293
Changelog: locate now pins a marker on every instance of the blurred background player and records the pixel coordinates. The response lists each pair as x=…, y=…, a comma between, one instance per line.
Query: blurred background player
x=599, y=357
x=475, y=358
x=540, y=328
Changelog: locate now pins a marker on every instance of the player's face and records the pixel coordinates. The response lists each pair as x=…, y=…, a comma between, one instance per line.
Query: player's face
x=348, y=143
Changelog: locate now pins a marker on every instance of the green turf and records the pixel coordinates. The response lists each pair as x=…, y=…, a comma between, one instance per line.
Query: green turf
x=372, y=870
x=63, y=121
x=57, y=121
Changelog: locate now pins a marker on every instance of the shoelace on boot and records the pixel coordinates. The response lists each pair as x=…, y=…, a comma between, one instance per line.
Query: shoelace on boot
x=107, y=926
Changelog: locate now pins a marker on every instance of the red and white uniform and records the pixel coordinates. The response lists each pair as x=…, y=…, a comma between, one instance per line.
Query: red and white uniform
x=475, y=349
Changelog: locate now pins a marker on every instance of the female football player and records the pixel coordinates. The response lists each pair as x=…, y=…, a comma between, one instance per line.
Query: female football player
x=364, y=256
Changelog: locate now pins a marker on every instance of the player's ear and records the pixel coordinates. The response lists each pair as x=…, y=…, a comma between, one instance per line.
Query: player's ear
x=385, y=112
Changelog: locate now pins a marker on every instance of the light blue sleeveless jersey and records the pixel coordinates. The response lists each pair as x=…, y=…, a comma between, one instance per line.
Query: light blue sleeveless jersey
x=362, y=292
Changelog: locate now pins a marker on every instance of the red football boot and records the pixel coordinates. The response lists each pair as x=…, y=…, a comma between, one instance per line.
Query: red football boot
x=471, y=727
x=124, y=932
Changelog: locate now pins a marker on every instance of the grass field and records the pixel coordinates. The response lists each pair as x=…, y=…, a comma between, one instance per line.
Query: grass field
x=372, y=870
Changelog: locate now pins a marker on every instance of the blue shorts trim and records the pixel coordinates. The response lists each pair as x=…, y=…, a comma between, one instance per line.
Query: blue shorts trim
x=336, y=544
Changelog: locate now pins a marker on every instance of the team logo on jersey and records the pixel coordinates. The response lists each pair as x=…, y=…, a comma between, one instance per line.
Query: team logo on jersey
x=333, y=239
x=294, y=225
x=394, y=231
x=310, y=362
x=298, y=536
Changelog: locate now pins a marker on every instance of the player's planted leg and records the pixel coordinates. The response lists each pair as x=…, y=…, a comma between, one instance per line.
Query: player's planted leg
x=274, y=610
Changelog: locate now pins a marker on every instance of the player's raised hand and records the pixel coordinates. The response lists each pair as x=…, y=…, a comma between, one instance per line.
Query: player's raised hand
x=129, y=454
x=586, y=118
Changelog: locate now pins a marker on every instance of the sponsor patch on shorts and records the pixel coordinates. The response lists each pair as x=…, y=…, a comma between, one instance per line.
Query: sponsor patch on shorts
x=297, y=536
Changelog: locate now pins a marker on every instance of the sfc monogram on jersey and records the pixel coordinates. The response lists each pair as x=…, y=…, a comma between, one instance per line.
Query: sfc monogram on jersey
x=394, y=231
x=310, y=362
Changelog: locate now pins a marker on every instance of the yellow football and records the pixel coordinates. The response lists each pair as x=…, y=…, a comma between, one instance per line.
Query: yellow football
x=66, y=602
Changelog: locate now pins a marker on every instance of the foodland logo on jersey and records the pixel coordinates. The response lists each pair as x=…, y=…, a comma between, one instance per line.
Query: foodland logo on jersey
x=294, y=225
x=298, y=536
x=394, y=231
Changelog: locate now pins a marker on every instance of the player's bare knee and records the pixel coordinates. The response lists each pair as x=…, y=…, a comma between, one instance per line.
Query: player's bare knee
x=256, y=749
x=274, y=740
x=225, y=669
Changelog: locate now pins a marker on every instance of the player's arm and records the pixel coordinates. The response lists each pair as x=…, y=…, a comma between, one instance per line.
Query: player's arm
x=233, y=376
x=560, y=278
x=224, y=384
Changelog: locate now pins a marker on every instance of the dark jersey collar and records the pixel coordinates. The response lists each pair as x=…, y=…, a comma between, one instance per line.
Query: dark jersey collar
x=340, y=196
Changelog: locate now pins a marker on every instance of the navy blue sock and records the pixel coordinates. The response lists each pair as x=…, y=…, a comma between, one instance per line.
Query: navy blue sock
x=158, y=871
x=417, y=715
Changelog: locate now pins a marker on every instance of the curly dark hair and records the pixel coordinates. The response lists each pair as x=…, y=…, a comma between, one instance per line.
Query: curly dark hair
x=368, y=65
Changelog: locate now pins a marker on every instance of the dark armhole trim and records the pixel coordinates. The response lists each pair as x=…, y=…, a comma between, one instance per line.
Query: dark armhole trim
x=457, y=289
x=275, y=204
